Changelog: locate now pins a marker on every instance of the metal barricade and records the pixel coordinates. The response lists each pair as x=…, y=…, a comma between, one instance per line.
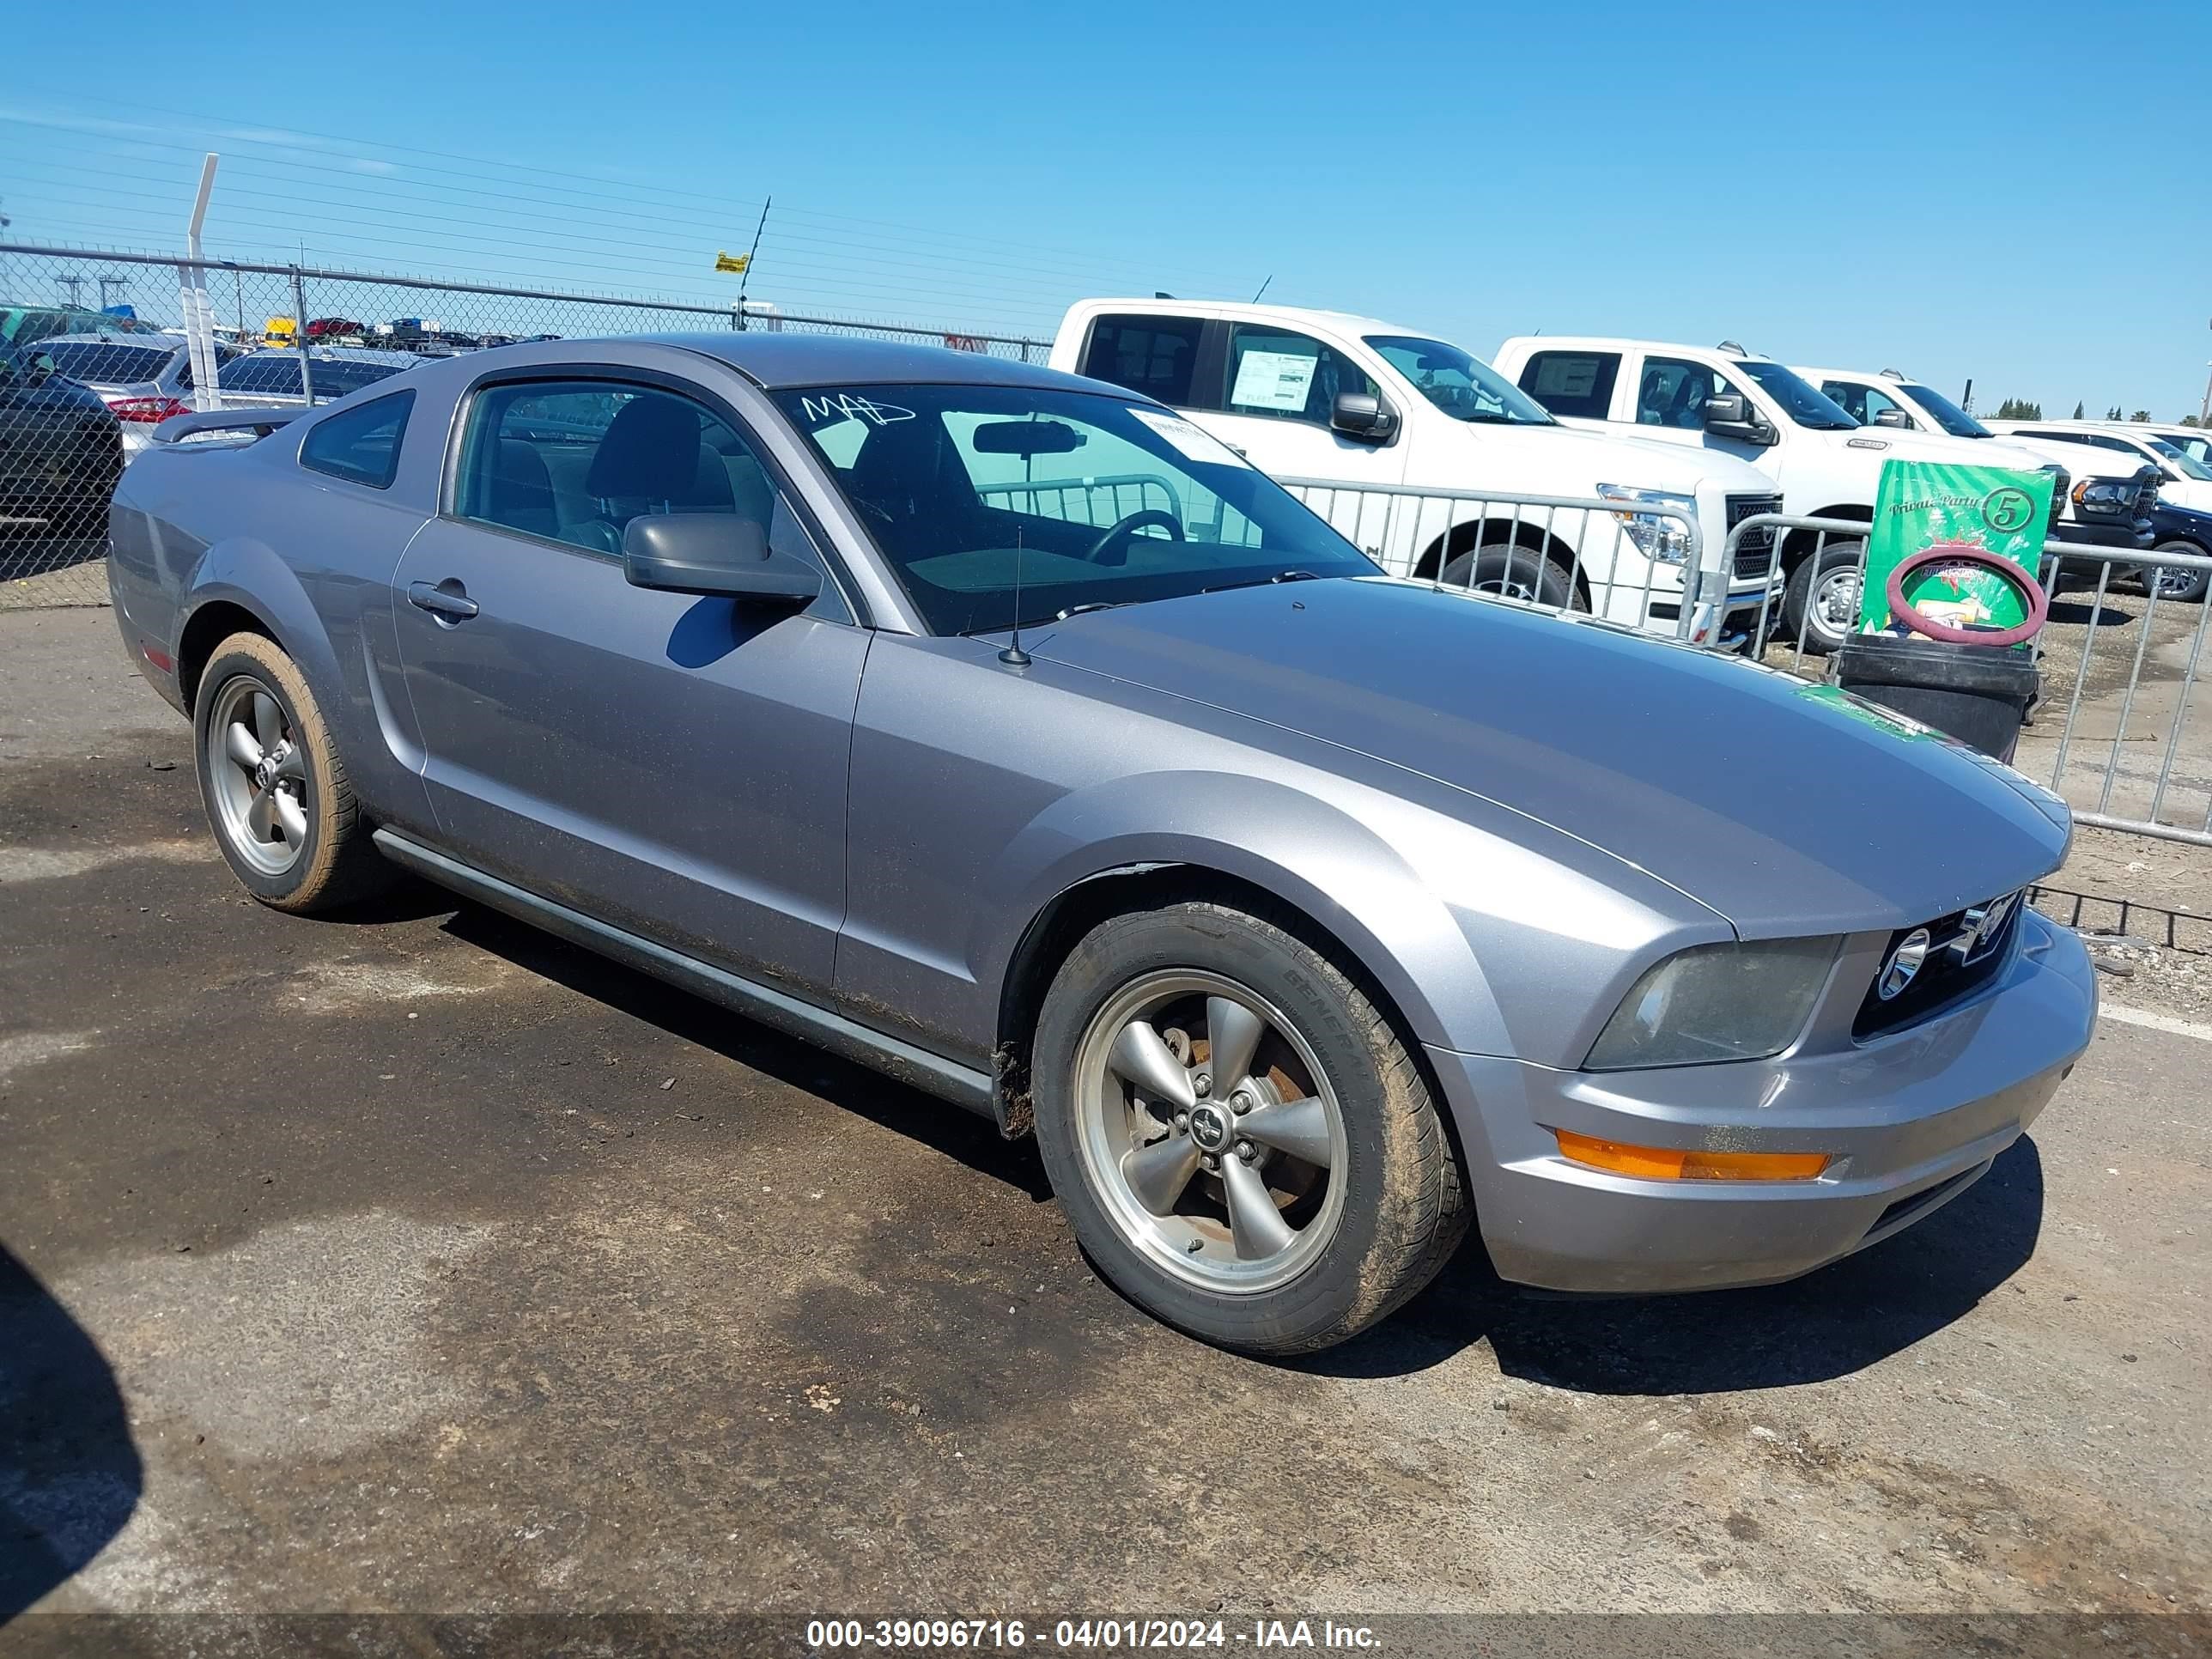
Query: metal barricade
x=1555, y=552
x=2112, y=733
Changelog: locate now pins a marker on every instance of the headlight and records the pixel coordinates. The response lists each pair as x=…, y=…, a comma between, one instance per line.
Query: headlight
x=1664, y=539
x=1716, y=1002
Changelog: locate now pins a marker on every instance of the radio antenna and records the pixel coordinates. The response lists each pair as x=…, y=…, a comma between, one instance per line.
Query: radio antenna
x=1013, y=656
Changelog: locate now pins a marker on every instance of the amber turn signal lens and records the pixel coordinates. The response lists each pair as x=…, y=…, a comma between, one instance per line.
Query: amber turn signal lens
x=1666, y=1164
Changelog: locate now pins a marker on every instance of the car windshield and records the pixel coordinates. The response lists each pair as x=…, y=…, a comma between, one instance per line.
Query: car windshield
x=104, y=362
x=1077, y=499
x=1799, y=401
x=1462, y=387
x=1945, y=413
x=2182, y=461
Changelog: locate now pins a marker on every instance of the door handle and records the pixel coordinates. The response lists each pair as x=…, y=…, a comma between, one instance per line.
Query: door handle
x=447, y=600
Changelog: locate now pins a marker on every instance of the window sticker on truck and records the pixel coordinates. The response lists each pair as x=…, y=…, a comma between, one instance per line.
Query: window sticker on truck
x=1194, y=442
x=1273, y=379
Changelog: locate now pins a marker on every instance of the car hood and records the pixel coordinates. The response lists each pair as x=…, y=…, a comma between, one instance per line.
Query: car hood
x=1788, y=808
x=1897, y=445
x=1620, y=458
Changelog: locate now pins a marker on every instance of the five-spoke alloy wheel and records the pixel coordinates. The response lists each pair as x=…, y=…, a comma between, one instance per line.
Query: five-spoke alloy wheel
x=1245, y=1144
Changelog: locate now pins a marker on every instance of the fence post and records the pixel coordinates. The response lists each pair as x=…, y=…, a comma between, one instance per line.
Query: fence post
x=300, y=324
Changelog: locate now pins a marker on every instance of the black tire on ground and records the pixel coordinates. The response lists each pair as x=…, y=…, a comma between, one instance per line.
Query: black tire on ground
x=1520, y=572
x=1822, y=634
x=336, y=864
x=2179, y=584
x=1405, y=1207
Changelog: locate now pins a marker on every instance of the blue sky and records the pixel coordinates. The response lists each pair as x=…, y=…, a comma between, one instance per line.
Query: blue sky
x=1873, y=184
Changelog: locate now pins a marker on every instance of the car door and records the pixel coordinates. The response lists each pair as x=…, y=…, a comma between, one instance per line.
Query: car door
x=1272, y=402
x=1666, y=399
x=673, y=764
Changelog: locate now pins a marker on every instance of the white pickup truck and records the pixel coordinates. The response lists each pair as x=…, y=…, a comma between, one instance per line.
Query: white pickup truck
x=1725, y=400
x=1415, y=450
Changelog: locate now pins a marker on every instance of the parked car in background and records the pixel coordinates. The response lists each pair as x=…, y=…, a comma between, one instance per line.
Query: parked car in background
x=1305, y=916
x=143, y=378
x=262, y=380
x=281, y=332
x=1355, y=404
x=1722, y=399
x=24, y=325
x=1889, y=399
x=61, y=452
x=2183, y=480
x=335, y=330
x=2193, y=442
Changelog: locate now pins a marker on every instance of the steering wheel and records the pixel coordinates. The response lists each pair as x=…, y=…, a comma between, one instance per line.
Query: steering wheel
x=1123, y=529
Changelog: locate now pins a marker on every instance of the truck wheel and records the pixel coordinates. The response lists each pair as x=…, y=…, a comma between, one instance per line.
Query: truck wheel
x=1821, y=602
x=274, y=786
x=1242, y=1143
x=2180, y=583
x=1518, y=573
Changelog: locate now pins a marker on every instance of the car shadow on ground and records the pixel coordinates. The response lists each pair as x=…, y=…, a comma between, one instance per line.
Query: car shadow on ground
x=69, y=1473
x=1831, y=1323
x=964, y=1137
x=1828, y=1324
x=2085, y=609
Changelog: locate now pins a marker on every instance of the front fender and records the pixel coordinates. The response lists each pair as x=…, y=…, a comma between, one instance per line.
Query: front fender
x=1315, y=856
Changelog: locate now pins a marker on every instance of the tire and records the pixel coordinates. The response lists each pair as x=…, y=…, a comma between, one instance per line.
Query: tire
x=1519, y=573
x=1371, y=1206
x=2180, y=585
x=1822, y=630
x=293, y=833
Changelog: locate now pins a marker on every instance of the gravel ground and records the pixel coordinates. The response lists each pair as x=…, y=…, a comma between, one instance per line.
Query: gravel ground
x=418, y=1263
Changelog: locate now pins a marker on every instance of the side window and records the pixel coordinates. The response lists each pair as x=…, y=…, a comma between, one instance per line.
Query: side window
x=1849, y=397
x=574, y=461
x=1156, y=355
x=361, y=445
x=1878, y=401
x=1673, y=393
x=272, y=374
x=1573, y=383
x=1285, y=376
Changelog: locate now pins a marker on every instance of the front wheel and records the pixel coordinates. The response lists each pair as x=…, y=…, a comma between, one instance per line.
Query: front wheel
x=1516, y=573
x=2183, y=584
x=1821, y=605
x=1242, y=1143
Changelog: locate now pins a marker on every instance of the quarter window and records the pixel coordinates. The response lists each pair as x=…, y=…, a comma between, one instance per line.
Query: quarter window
x=360, y=445
x=1156, y=355
x=1573, y=383
x=1284, y=376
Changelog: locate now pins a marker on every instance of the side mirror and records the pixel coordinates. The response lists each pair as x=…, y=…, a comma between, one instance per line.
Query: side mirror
x=714, y=554
x=1362, y=414
x=1893, y=417
x=1731, y=416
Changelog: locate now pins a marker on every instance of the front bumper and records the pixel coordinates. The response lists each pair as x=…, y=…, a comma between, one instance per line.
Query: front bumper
x=1910, y=1118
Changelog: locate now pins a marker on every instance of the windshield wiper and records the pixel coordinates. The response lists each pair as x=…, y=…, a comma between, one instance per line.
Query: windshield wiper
x=1091, y=604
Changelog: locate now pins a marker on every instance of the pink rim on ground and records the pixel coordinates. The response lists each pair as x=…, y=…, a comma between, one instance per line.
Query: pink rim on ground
x=2038, y=602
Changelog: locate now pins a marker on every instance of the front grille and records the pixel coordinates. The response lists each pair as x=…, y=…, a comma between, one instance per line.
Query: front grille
x=1965, y=950
x=1754, y=548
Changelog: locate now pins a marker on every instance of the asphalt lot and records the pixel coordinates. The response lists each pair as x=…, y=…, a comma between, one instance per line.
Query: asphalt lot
x=419, y=1262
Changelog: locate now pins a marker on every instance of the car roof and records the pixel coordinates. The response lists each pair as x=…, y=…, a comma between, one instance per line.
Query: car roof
x=773, y=359
x=132, y=337
x=1622, y=343
x=1347, y=322
x=338, y=355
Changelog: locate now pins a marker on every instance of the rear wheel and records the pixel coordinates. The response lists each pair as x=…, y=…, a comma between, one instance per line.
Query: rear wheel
x=1518, y=573
x=1821, y=603
x=1241, y=1142
x=275, y=787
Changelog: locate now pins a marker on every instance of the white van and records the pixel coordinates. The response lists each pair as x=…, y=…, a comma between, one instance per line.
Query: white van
x=1725, y=400
x=1356, y=404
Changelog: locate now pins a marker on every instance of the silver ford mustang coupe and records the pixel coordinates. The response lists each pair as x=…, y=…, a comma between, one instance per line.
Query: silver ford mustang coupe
x=1005, y=732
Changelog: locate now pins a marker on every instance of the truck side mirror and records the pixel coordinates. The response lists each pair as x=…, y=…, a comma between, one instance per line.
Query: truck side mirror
x=1363, y=415
x=1893, y=417
x=1731, y=416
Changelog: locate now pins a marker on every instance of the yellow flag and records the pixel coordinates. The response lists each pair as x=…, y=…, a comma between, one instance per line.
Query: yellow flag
x=733, y=261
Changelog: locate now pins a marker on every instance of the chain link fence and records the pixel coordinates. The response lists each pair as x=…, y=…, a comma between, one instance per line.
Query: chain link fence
x=95, y=356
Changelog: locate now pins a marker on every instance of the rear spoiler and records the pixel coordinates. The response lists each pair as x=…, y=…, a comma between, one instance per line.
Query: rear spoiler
x=260, y=421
